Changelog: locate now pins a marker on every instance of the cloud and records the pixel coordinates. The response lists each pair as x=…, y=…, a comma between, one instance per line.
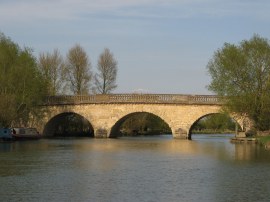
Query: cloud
x=34, y=10
x=59, y=9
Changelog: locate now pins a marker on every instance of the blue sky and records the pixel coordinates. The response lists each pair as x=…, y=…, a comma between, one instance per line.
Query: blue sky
x=162, y=46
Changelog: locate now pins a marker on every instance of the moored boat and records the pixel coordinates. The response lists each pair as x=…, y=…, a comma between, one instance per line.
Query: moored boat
x=25, y=133
x=9, y=134
x=5, y=134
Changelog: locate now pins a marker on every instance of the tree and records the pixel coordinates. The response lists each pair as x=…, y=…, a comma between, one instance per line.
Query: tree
x=51, y=66
x=144, y=123
x=242, y=74
x=78, y=70
x=105, y=79
x=215, y=123
x=21, y=84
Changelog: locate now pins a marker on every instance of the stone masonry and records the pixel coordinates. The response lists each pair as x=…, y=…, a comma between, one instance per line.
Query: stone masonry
x=104, y=114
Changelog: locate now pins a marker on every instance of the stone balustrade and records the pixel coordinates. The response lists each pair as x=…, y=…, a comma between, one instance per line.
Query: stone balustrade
x=133, y=99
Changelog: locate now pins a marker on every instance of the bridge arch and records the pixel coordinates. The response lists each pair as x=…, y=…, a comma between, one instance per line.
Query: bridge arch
x=115, y=129
x=180, y=112
x=68, y=124
x=209, y=114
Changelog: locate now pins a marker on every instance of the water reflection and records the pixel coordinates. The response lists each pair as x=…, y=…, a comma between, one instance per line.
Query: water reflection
x=134, y=169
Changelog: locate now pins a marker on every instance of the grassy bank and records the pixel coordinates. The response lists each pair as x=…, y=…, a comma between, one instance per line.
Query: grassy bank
x=212, y=132
x=264, y=140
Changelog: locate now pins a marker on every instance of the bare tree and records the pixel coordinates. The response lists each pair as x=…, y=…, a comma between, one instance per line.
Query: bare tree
x=78, y=70
x=52, y=70
x=105, y=79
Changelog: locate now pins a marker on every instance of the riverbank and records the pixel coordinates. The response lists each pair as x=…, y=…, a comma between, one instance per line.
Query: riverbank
x=264, y=140
x=244, y=140
x=212, y=132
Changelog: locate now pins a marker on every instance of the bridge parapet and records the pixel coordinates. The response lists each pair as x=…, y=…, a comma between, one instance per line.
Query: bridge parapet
x=208, y=99
x=134, y=99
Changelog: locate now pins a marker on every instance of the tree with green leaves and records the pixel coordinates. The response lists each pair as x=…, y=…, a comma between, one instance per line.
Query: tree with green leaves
x=215, y=123
x=78, y=70
x=144, y=124
x=241, y=73
x=21, y=84
x=105, y=79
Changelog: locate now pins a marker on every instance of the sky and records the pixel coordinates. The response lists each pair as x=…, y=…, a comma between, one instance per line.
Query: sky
x=162, y=46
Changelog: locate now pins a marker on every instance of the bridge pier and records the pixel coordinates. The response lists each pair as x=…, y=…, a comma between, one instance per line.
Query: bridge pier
x=101, y=133
x=180, y=134
x=240, y=134
x=105, y=113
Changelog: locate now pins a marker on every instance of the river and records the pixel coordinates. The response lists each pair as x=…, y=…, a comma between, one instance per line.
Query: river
x=208, y=168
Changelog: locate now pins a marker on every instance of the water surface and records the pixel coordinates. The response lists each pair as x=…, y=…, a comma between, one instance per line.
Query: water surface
x=208, y=168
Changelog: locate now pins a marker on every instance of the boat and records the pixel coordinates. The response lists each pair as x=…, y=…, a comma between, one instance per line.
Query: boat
x=5, y=134
x=19, y=134
x=25, y=133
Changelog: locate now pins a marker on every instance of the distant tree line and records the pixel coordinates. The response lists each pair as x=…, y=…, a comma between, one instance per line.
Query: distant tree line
x=25, y=80
x=149, y=124
x=215, y=123
x=72, y=125
x=144, y=124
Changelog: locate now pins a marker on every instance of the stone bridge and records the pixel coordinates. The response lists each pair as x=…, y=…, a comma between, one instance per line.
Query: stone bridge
x=106, y=112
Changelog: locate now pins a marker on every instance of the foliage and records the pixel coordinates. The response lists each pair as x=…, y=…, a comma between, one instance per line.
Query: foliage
x=51, y=66
x=105, y=79
x=21, y=84
x=263, y=140
x=78, y=70
x=144, y=123
x=215, y=123
x=242, y=74
x=72, y=125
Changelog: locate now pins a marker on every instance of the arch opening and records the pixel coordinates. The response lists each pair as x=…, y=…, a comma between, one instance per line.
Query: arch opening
x=140, y=124
x=68, y=125
x=214, y=123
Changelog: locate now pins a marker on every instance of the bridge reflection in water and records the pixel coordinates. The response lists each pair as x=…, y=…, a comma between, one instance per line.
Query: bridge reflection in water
x=209, y=168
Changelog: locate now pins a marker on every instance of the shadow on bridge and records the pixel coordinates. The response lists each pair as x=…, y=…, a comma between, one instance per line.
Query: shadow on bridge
x=140, y=124
x=68, y=125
